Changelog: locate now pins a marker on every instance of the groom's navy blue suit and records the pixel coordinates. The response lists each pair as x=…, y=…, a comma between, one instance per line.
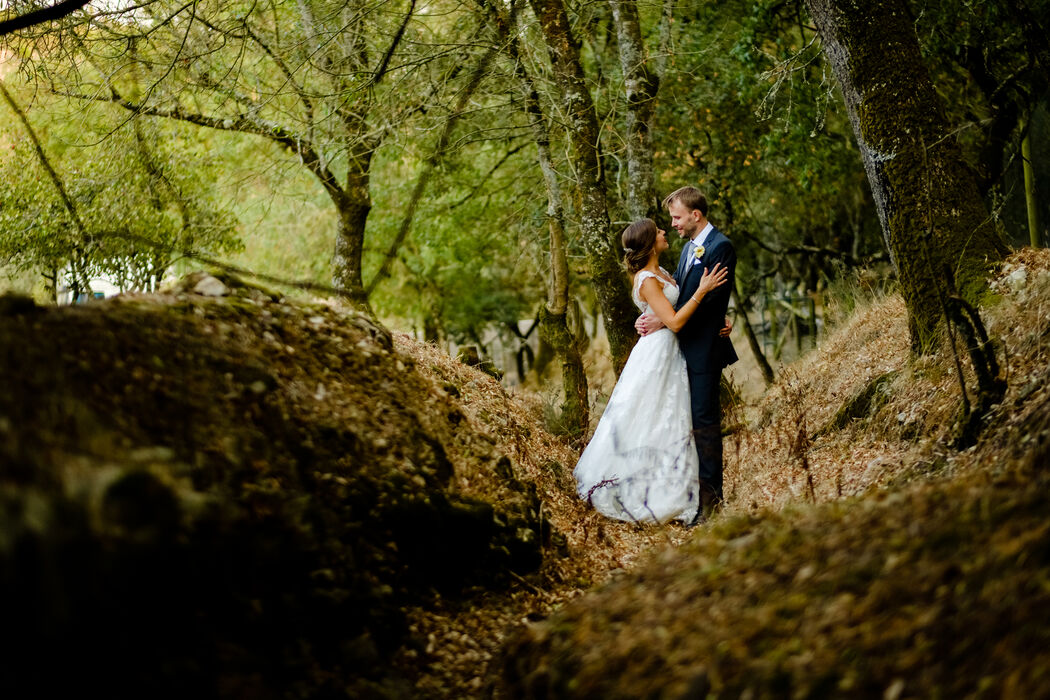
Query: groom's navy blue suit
x=706, y=352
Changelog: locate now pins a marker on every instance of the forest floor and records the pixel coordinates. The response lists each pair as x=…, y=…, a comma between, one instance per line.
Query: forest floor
x=855, y=421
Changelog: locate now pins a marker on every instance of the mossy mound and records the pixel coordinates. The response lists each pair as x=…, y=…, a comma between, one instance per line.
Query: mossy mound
x=940, y=590
x=230, y=497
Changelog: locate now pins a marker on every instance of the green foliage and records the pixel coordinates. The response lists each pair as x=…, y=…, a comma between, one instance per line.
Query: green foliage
x=472, y=261
x=751, y=116
x=989, y=61
x=143, y=193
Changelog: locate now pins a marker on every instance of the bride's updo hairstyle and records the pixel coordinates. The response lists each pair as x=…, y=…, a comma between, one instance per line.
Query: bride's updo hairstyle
x=638, y=241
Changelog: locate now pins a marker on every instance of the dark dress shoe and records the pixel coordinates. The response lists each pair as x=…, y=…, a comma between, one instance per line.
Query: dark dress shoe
x=710, y=503
x=698, y=519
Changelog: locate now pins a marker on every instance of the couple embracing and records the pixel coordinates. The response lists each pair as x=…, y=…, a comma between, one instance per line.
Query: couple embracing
x=656, y=454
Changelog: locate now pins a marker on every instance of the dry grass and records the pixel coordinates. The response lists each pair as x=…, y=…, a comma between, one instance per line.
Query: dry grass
x=909, y=424
x=761, y=468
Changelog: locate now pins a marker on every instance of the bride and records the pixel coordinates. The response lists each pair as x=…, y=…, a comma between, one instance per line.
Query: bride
x=641, y=464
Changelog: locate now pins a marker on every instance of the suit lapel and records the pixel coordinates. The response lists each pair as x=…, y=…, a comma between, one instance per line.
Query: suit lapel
x=685, y=262
x=713, y=239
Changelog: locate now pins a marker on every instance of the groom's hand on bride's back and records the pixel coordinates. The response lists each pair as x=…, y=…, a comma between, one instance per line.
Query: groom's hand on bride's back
x=648, y=323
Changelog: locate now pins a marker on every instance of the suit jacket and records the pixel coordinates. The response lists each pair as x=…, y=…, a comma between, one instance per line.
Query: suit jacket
x=703, y=348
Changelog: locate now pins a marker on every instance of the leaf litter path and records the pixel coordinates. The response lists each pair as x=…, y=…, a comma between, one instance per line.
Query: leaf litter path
x=455, y=640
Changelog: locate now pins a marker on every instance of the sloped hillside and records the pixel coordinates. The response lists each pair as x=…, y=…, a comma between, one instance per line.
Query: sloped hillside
x=861, y=555
x=871, y=415
x=231, y=496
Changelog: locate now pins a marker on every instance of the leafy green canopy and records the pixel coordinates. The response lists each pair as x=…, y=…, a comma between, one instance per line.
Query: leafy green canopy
x=143, y=192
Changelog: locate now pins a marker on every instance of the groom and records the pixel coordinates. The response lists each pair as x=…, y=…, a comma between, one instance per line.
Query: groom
x=705, y=349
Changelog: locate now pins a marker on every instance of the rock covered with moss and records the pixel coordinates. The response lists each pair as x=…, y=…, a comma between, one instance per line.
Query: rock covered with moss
x=230, y=496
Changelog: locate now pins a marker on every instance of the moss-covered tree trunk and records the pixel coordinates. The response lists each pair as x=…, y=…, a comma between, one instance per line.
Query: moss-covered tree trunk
x=607, y=276
x=555, y=332
x=554, y=324
x=934, y=221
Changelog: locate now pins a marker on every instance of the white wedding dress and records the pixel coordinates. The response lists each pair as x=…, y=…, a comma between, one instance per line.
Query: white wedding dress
x=641, y=464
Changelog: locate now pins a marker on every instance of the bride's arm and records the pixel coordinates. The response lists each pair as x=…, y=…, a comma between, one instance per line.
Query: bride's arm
x=653, y=294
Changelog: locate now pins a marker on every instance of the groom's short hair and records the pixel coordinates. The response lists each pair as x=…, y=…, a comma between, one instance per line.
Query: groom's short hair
x=689, y=197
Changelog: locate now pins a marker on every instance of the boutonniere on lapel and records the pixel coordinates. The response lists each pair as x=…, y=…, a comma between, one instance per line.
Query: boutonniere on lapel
x=698, y=253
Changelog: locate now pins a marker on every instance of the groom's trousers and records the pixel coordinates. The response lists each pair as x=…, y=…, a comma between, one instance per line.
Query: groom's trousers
x=704, y=389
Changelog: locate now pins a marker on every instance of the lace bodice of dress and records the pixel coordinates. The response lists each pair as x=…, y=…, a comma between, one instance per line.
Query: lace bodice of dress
x=670, y=288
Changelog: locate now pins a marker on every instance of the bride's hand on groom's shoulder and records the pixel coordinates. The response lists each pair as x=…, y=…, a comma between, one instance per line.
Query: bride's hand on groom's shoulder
x=714, y=276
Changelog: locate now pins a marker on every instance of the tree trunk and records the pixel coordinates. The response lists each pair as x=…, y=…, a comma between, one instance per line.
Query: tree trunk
x=1034, y=234
x=752, y=339
x=582, y=124
x=641, y=86
x=933, y=218
x=555, y=333
x=353, y=209
x=554, y=326
x=51, y=285
x=554, y=330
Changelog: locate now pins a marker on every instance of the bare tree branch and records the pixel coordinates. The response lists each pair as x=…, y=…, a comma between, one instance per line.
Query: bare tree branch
x=439, y=151
x=44, y=14
x=380, y=71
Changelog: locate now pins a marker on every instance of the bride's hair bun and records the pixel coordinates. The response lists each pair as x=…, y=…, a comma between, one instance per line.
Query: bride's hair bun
x=638, y=240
